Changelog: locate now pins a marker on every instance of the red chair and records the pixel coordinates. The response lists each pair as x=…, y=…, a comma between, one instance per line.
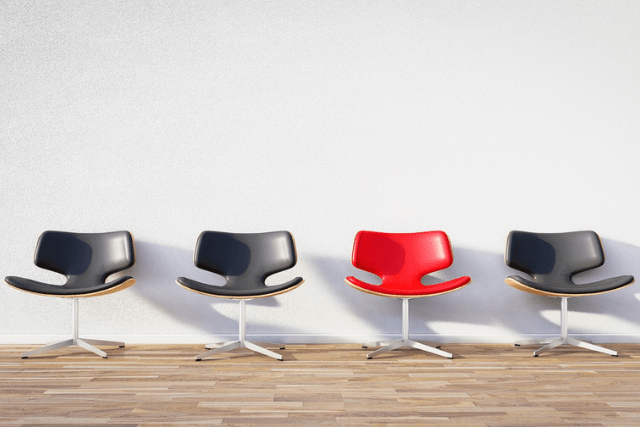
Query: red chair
x=401, y=260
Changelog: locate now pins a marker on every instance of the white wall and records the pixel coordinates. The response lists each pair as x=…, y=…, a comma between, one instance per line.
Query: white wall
x=322, y=118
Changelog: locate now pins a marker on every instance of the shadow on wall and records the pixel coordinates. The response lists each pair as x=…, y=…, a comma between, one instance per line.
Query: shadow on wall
x=453, y=313
x=623, y=306
x=156, y=269
x=487, y=306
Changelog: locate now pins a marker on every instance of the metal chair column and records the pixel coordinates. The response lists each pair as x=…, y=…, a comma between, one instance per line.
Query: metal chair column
x=75, y=340
x=405, y=341
x=565, y=339
x=242, y=341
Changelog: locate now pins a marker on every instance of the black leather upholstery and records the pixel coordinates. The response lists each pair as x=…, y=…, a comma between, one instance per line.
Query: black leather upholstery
x=86, y=259
x=552, y=259
x=245, y=261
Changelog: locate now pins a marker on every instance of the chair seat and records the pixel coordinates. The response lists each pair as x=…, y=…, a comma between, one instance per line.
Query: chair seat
x=226, y=292
x=413, y=290
x=46, y=289
x=572, y=290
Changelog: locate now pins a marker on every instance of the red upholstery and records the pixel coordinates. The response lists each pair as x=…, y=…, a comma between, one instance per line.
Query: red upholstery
x=401, y=260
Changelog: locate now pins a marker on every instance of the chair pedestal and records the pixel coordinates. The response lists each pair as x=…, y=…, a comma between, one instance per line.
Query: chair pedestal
x=405, y=341
x=564, y=338
x=241, y=342
x=75, y=340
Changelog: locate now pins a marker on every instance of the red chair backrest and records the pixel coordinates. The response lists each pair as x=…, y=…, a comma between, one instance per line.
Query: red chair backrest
x=401, y=259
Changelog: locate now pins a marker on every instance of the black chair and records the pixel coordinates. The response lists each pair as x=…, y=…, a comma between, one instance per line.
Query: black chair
x=245, y=261
x=552, y=259
x=86, y=259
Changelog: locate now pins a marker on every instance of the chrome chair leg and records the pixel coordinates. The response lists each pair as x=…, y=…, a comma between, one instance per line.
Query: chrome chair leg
x=258, y=349
x=81, y=343
x=85, y=343
x=103, y=342
x=217, y=344
x=405, y=341
x=591, y=346
x=393, y=346
x=241, y=342
x=434, y=350
x=54, y=346
x=268, y=344
x=262, y=344
x=532, y=342
x=377, y=344
x=238, y=344
x=429, y=344
x=227, y=347
x=564, y=338
x=385, y=343
x=549, y=346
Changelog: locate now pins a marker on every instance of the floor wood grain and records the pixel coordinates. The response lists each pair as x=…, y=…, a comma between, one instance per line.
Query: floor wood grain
x=321, y=385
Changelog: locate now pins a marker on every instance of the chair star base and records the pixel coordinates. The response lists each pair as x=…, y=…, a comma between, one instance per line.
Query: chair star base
x=576, y=343
x=77, y=342
x=228, y=346
x=261, y=344
x=564, y=338
x=396, y=344
x=405, y=341
x=241, y=342
x=388, y=342
x=85, y=343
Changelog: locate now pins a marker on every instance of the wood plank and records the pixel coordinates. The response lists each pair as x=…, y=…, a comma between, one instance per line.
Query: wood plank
x=321, y=385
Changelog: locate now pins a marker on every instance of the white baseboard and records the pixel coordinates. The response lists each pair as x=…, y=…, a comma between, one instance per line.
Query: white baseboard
x=319, y=338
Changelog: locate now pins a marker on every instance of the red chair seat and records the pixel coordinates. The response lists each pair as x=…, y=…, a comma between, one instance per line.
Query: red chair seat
x=415, y=289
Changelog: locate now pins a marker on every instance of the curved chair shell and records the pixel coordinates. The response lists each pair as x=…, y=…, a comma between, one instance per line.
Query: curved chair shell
x=552, y=259
x=595, y=288
x=86, y=260
x=45, y=289
x=401, y=260
x=245, y=260
x=233, y=293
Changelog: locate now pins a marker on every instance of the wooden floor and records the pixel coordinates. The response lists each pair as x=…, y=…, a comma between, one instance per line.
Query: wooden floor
x=317, y=385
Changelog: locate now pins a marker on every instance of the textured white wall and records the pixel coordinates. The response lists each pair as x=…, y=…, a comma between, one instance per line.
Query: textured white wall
x=322, y=118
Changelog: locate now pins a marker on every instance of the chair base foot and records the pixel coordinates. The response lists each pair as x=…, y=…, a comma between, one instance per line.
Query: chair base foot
x=386, y=343
x=396, y=344
x=85, y=343
x=261, y=344
x=532, y=342
x=228, y=346
x=565, y=340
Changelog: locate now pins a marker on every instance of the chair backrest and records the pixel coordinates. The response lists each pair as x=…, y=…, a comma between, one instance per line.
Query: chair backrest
x=401, y=258
x=85, y=257
x=245, y=259
x=553, y=257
